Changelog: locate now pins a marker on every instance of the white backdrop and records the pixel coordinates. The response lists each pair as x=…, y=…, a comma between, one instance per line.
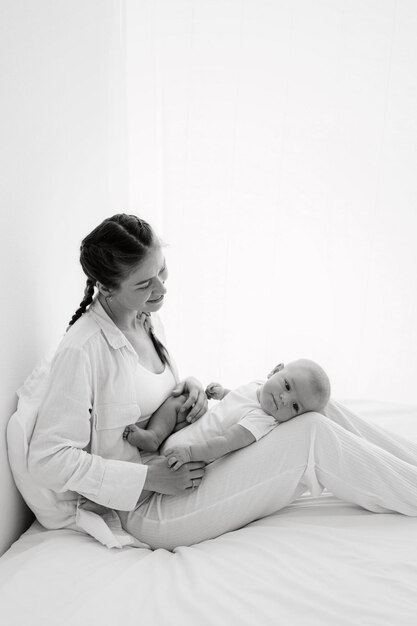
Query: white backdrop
x=62, y=163
x=274, y=145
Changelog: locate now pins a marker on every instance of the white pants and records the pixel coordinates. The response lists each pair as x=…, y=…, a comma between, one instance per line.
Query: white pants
x=355, y=460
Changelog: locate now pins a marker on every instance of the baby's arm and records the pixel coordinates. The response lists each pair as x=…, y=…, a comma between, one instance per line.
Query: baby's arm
x=232, y=439
x=160, y=426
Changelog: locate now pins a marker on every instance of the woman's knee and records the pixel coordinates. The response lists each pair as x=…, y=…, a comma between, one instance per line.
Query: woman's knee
x=313, y=420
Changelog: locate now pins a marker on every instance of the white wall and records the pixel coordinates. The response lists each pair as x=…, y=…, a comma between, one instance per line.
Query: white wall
x=277, y=143
x=62, y=163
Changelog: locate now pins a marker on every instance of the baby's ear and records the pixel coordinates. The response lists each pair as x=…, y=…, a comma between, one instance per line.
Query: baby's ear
x=276, y=369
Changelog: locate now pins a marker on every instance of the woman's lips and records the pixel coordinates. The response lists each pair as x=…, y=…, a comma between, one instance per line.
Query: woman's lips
x=156, y=299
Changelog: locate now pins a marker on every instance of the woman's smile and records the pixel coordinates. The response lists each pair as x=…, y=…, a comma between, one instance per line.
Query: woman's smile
x=159, y=299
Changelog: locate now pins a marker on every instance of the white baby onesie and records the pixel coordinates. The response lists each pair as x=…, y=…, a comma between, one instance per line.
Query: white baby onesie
x=240, y=406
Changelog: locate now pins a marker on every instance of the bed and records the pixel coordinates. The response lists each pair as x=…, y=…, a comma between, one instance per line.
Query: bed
x=318, y=562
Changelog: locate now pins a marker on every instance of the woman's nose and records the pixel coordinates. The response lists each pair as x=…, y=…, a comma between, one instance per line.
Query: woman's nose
x=159, y=287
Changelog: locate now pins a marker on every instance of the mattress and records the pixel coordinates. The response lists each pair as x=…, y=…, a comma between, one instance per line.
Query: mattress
x=319, y=562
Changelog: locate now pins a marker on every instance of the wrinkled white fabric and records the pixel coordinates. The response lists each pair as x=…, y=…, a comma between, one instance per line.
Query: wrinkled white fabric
x=357, y=461
x=74, y=468
x=65, y=444
x=240, y=406
x=152, y=389
x=318, y=561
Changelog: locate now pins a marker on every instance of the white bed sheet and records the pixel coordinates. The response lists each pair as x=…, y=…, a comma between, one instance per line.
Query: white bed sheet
x=317, y=562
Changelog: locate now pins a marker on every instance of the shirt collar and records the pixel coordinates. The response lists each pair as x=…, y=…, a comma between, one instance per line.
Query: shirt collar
x=114, y=335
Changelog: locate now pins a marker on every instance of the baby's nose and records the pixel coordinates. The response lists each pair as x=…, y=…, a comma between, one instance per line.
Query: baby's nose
x=283, y=398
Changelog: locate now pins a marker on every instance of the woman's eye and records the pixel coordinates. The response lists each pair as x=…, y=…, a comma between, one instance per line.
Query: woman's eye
x=287, y=385
x=163, y=270
x=143, y=287
x=295, y=407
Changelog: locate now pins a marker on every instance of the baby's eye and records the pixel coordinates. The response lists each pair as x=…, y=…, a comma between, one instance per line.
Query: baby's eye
x=287, y=385
x=295, y=407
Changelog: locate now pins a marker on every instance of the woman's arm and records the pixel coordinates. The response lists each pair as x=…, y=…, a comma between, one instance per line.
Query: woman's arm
x=58, y=456
x=232, y=439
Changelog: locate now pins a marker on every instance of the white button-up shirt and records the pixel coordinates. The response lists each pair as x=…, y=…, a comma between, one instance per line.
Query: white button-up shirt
x=76, y=457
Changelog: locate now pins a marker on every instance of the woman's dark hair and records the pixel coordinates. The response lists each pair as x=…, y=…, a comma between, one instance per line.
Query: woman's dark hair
x=109, y=253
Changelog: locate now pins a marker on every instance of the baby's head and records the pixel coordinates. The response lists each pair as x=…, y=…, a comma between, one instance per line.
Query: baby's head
x=294, y=389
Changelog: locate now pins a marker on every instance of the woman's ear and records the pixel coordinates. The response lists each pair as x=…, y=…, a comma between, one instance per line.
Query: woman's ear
x=276, y=369
x=103, y=290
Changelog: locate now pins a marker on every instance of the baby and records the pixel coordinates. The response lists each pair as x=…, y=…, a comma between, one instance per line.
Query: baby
x=242, y=416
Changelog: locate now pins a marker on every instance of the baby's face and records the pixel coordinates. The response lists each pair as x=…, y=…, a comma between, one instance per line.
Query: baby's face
x=288, y=393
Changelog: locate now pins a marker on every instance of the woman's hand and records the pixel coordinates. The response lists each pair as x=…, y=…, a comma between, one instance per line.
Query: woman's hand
x=162, y=479
x=196, y=404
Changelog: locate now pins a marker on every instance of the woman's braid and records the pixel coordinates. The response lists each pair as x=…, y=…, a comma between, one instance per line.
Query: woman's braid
x=88, y=298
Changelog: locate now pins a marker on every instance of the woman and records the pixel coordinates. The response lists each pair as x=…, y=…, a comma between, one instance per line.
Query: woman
x=112, y=370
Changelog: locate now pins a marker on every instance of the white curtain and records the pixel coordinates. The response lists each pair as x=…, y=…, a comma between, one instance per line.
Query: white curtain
x=274, y=146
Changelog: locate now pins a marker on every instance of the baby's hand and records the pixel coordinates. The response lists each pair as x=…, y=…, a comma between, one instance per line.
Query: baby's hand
x=177, y=457
x=215, y=391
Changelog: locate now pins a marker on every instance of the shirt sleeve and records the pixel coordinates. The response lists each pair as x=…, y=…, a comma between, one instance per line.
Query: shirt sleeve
x=258, y=423
x=58, y=456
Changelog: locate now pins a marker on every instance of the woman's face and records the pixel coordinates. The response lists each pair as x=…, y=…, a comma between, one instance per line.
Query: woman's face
x=144, y=289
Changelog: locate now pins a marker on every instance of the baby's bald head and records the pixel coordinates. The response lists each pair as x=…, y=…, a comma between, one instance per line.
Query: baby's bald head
x=295, y=388
x=319, y=381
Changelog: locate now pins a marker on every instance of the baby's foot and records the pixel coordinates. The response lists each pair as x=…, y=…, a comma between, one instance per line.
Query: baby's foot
x=133, y=434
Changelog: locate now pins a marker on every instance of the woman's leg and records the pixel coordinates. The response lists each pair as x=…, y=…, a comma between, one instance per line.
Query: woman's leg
x=309, y=452
x=391, y=442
